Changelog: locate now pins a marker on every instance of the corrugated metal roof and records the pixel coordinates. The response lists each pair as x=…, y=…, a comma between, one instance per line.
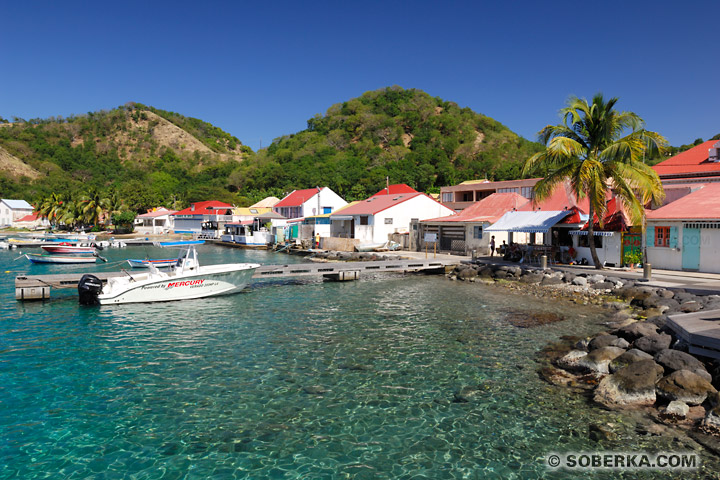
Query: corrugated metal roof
x=17, y=204
x=702, y=204
x=209, y=207
x=489, y=209
x=298, y=197
x=692, y=162
x=374, y=205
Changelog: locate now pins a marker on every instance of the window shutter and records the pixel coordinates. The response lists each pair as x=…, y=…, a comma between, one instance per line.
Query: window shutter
x=650, y=237
x=673, y=237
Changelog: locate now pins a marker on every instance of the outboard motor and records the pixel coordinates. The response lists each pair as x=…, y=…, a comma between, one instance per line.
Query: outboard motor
x=89, y=287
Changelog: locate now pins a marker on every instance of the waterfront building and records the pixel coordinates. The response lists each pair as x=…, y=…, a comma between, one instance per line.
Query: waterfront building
x=459, y=197
x=31, y=222
x=700, y=164
x=206, y=219
x=685, y=234
x=308, y=202
x=156, y=221
x=12, y=210
x=374, y=219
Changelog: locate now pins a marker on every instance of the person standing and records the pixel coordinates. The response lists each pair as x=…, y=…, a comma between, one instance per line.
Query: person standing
x=317, y=240
x=492, y=246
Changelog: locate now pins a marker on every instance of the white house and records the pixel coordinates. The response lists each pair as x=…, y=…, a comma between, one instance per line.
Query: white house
x=206, y=218
x=11, y=210
x=156, y=221
x=309, y=202
x=685, y=234
x=373, y=219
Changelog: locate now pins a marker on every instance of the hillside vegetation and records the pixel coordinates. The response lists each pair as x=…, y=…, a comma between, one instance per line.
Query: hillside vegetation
x=404, y=135
x=145, y=155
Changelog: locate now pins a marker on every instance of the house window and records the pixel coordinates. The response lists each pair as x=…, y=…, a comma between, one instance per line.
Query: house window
x=326, y=210
x=364, y=220
x=477, y=232
x=388, y=221
x=447, y=197
x=662, y=236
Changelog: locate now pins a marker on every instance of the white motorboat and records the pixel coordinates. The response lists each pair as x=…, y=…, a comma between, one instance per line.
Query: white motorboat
x=187, y=280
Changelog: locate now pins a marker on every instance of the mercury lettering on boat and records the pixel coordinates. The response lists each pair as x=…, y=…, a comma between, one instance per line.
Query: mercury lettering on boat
x=186, y=283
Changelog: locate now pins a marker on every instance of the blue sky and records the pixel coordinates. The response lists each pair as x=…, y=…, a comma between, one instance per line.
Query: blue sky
x=259, y=70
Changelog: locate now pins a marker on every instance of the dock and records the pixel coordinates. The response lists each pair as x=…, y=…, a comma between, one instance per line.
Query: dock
x=38, y=287
x=701, y=331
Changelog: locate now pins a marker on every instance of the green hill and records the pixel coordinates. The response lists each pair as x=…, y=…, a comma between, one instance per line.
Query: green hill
x=404, y=135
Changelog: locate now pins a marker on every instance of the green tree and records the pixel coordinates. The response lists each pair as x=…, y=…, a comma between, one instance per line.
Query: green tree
x=598, y=149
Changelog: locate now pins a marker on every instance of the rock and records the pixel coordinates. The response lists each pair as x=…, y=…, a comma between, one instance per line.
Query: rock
x=690, y=307
x=557, y=376
x=677, y=408
x=683, y=296
x=467, y=273
x=595, y=278
x=315, y=390
x=486, y=272
x=631, y=356
x=653, y=343
x=654, y=301
x=515, y=271
x=599, y=433
x=658, y=320
x=665, y=293
x=685, y=386
x=500, y=274
x=532, y=278
x=569, y=277
x=582, y=345
x=602, y=341
x=571, y=361
x=711, y=422
x=579, y=281
x=599, y=360
x=467, y=394
x=603, y=286
x=636, y=330
x=632, y=385
x=549, y=281
x=673, y=360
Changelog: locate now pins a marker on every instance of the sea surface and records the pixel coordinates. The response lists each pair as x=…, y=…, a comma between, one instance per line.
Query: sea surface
x=293, y=379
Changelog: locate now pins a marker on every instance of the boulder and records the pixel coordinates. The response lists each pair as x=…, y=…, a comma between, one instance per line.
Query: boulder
x=665, y=293
x=579, y=281
x=685, y=386
x=599, y=360
x=658, y=320
x=603, y=286
x=711, y=422
x=673, y=360
x=571, y=361
x=653, y=343
x=602, y=341
x=595, y=278
x=631, y=356
x=550, y=280
x=677, y=408
x=690, y=307
x=583, y=345
x=683, y=296
x=632, y=385
x=569, y=277
x=515, y=271
x=466, y=273
x=636, y=330
x=532, y=277
x=501, y=274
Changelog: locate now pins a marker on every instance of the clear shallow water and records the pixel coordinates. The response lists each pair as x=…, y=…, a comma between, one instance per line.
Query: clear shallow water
x=290, y=379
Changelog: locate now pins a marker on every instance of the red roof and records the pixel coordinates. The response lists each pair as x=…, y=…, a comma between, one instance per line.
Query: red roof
x=377, y=204
x=690, y=162
x=562, y=198
x=28, y=218
x=397, y=189
x=616, y=218
x=210, y=207
x=297, y=197
x=489, y=209
x=157, y=213
x=702, y=204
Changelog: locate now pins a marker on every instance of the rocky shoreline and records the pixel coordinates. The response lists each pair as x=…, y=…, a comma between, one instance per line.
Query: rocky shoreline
x=636, y=363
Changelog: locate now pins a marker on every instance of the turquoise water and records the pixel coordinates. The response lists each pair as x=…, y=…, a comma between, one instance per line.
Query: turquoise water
x=290, y=379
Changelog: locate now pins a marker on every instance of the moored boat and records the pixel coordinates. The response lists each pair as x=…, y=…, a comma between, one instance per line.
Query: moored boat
x=157, y=262
x=187, y=280
x=62, y=259
x=68, y=248
x=180, y=243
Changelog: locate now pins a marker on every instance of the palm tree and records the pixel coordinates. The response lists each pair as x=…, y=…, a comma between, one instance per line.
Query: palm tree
x=51, y=208
x=94, y=207
x=598, y=149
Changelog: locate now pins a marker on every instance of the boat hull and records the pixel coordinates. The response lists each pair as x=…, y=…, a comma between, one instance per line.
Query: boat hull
x=61, y=259
x=205, y=282
x=159, y=263
x=67, y=249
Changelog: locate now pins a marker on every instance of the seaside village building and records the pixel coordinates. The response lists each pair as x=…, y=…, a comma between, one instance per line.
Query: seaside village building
x=301, y=204
x=256, y=226
x=459, y=197
x=385, y=214
x=203, y=219
x=156, y=221
x=13, y=210
x=31, y=222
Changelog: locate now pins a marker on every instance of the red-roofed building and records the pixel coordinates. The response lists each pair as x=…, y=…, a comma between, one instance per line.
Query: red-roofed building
x=699, y=164
x=396, y=189
x=31, y=221
x=463, y=232
x=465, y=194
x=685, y=234
x=373, y=219
x=206, y=219
x=309, y=202
x=155, y=221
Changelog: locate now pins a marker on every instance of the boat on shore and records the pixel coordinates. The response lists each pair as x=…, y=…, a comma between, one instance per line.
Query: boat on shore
x=156, y=262
x=187, y=280
x=60, y=259
x=378, y=247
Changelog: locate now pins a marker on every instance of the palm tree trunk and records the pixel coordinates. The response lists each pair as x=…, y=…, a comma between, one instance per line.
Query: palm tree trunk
x=591, y=238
